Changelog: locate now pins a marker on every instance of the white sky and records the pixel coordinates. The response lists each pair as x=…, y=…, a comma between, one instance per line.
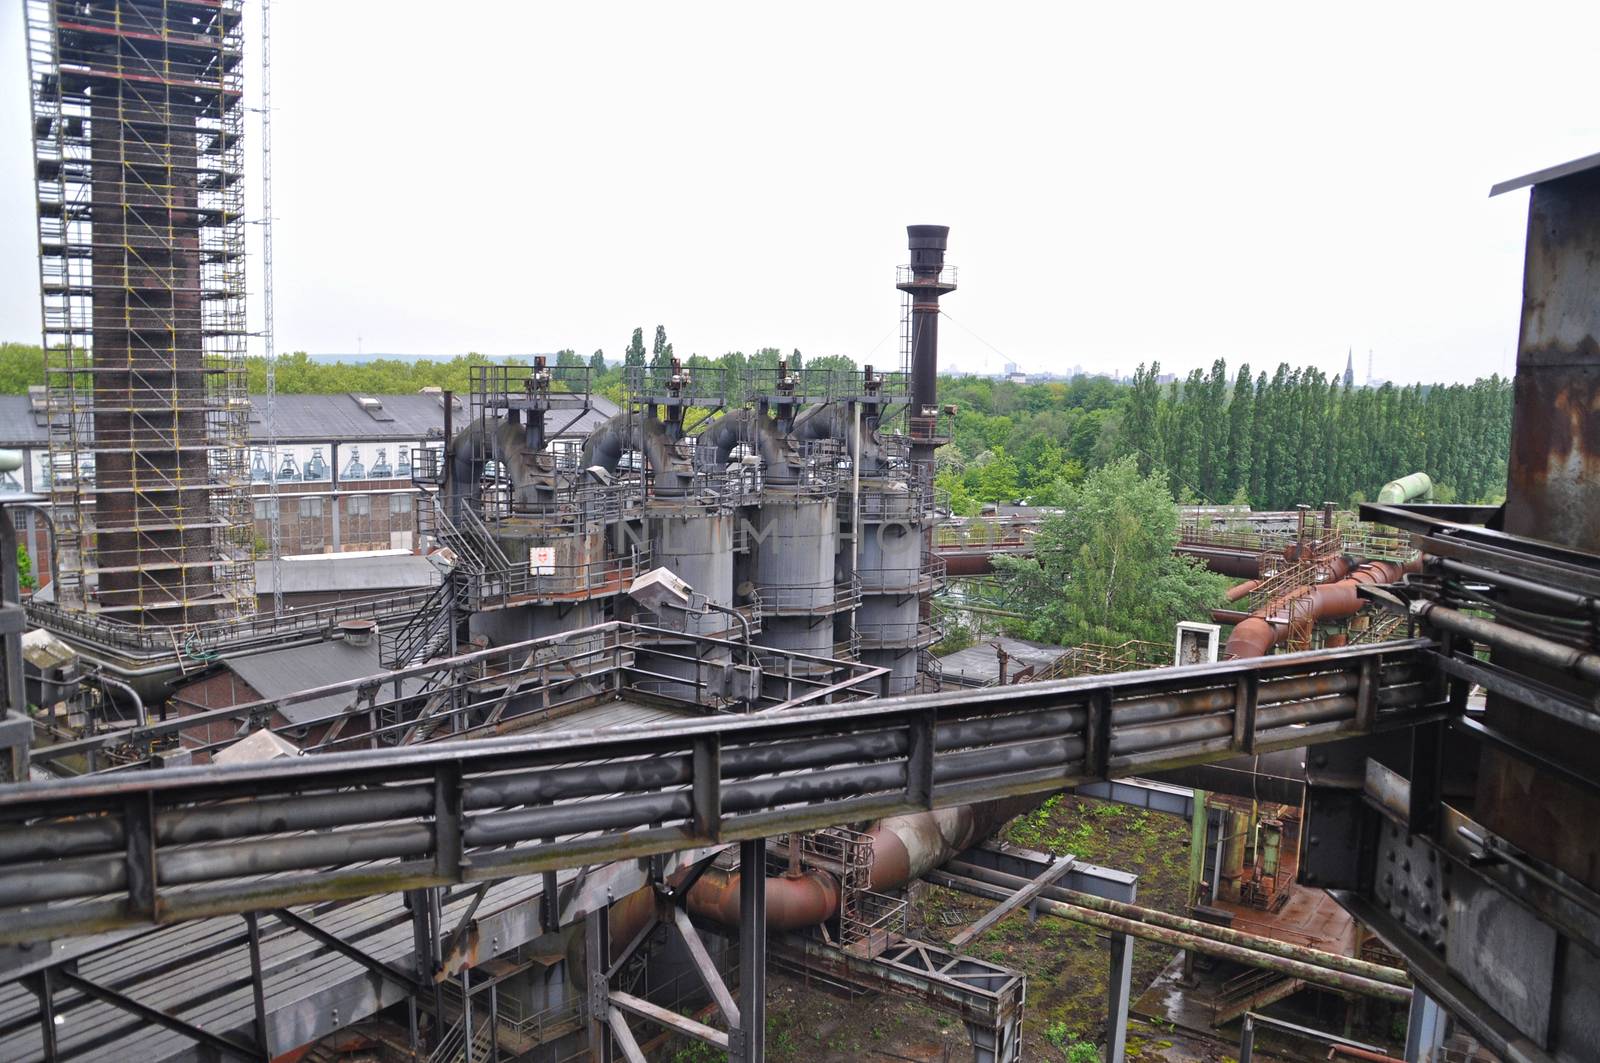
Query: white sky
x=1123, y=182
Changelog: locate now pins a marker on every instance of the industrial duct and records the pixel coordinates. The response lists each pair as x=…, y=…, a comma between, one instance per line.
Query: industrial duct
x=648, y=436
x=1256, y=634
x=1406, y=489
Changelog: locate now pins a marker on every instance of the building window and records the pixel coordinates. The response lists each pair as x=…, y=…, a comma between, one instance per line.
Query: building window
x=358, y=505
x=399, y=504
x=311, y=507
x=263, y=509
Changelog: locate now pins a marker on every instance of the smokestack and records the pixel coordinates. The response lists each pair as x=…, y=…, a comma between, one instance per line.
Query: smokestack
x=925, y=280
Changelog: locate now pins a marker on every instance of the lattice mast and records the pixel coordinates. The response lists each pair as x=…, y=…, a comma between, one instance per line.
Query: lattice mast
x=138, y=152
x=268, y=329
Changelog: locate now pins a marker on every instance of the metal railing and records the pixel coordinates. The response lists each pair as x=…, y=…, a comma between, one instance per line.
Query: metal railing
x=208, y=638
x=489, y=810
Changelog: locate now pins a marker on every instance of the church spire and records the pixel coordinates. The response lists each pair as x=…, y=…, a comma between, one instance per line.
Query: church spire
x=1349, y=367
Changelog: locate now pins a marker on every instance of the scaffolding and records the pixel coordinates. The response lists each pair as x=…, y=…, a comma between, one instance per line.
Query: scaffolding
x=137, y=122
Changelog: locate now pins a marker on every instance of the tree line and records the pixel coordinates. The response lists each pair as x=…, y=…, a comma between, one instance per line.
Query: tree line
x=1272, y=441
x=1302, y=436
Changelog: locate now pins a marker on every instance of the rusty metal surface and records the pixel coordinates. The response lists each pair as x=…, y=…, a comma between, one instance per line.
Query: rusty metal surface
x=436, y=815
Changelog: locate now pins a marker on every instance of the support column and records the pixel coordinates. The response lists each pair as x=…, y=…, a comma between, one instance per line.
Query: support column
x=257, y=989
x=1424, y=1028
x=40, y=984
x=1247, y=1039
x=748, y=1042
x=466, y=1011
x=597, y=953
x=1121, y=949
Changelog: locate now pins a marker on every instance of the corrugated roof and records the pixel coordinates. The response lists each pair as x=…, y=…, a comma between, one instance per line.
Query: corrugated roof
x=979, y=663
x=323, y=419
x=362, y=574
x=279, y=673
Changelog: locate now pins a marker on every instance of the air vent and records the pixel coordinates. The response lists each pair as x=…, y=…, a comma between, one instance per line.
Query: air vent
x=373, y=406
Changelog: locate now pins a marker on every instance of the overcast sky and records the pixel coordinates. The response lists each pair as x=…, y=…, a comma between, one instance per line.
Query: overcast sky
x=1123, y=182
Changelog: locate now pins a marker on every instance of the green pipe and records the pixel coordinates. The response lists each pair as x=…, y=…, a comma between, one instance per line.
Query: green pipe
x=1406, y=489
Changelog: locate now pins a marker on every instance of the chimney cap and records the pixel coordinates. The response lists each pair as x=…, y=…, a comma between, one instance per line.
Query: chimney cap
x=929, y=237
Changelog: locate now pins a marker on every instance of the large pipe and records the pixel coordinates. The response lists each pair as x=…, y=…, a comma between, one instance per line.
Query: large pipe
x=904, y=849
x=1257, y=634
x=646, y=435
x=1211, y=931
x=780, y=463
x=1252, y=957
x=1406, y=489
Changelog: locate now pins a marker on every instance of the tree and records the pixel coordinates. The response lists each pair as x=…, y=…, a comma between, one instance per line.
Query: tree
x=568, y=357
x=1103, y=570
x=794, y=361
x=660, y=350
x=634, y=355
x=597, y=362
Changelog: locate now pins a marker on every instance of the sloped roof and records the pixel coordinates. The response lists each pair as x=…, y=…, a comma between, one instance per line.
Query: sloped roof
x=323, y=419
x=279, y=673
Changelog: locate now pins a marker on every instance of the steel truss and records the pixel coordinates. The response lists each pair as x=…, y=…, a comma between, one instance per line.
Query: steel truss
x=80, y=856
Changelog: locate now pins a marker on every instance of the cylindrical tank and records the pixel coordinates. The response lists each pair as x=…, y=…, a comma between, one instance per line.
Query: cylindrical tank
x=889, y=566
x=695, y=543
x=797, y=537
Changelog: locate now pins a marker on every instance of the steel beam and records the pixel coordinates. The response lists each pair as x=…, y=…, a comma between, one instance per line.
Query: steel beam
x=222, y=1046
x=986, y=997
x=349, y=951
x=748, y=1041
x=709, y=975
x=484, y=811
x=1021, y=897
x=1118, y=991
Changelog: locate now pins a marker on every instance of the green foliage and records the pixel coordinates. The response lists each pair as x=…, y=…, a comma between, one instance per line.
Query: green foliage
x=634, y=354
x=1271, y=440
x=1103, y=569
x=1083, y=1052
x=597, y=362
x=660, y=350
x=957, y=636
x=21, y=365
x=25, y=569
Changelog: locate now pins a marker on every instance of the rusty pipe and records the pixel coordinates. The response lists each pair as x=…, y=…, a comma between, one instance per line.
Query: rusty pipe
x=793, y=901
x=1256, y=635
x=1239, y=590
x=1212, y=932
x=1352, y=1052
x=904, y=848
x=1115, y=924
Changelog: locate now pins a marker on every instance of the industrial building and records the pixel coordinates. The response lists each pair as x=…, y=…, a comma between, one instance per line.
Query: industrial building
x=648, y=706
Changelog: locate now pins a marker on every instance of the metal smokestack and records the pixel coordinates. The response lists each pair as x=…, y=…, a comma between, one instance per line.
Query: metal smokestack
x=925, y=280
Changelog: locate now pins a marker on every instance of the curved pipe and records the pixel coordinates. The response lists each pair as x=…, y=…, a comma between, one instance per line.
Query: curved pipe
x=606, y=445
x=1256, y=635
x=139, y=712
x=779, y=462
x=1238, y=591
x=834, y=421
x=1406, y=489
x=527, y=469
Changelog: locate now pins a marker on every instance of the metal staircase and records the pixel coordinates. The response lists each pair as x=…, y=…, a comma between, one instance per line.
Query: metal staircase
x=480, y=565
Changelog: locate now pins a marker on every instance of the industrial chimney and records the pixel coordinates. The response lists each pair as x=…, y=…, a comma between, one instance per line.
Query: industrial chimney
x=137, y=127
x=924, y=281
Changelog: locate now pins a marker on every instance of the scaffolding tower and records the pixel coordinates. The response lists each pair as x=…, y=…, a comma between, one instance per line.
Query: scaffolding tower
x=138, y=154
